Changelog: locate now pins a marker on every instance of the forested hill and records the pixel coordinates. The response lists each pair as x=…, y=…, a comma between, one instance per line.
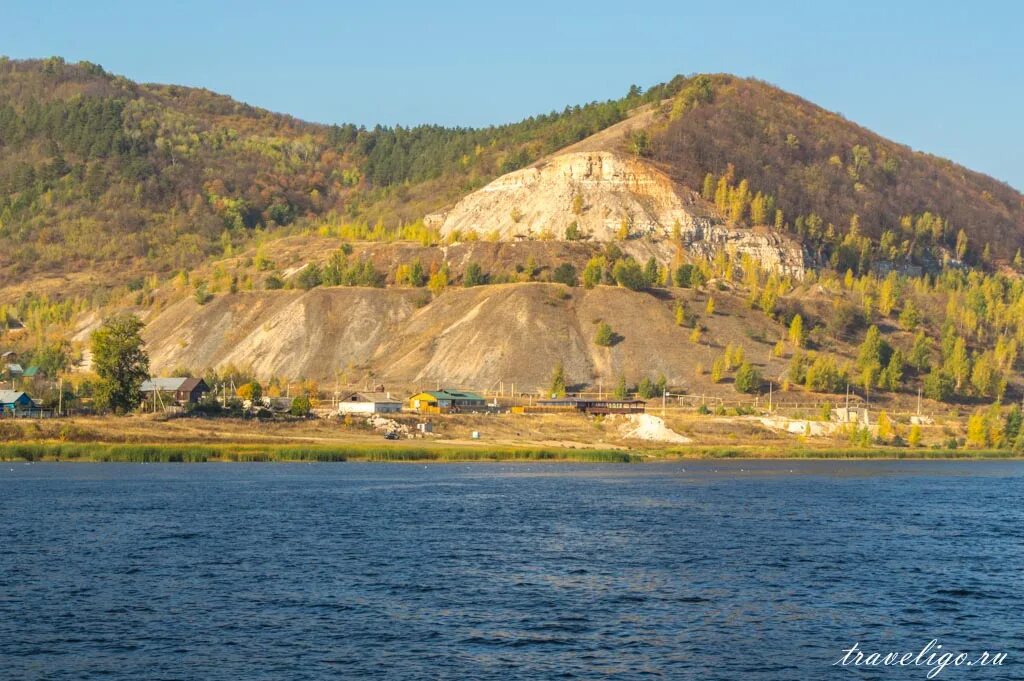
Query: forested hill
x=102, y=175
x=97, y=170
x=829, y=176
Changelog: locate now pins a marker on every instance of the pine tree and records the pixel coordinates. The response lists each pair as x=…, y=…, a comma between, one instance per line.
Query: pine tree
x=558, y=381
x=605, y=336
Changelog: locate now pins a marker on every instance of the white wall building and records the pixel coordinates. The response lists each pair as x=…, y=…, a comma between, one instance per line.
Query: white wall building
x=369, y=403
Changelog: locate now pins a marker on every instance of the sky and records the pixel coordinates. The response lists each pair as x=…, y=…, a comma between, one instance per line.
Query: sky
x=943, y=77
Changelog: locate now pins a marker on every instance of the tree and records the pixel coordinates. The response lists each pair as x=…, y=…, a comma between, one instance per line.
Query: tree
x=914, y=437
x=251, y=391
x=572, y=232
x=796, y=331
x=683, y=276
x=884, y=427
x=621, y=389
x=651, y=271
x=565, y=274
x=717, y=370
x=121, y=363
x=605, y=336
x=708, y=188
x=887, y=295
x=910, y=316
x=892, y=377
x=593, y=271
x=921, y=353
x=558, y=381
x=300, y=406
x=958, y=364
x=309, y=276
x=986, y=378
x=709, y=308
x=438, y=282
x=938, y=386
x=748, y=379
x=961, y=245
x=474, y=275
x=1012, y=424
x=640, y=143
x=821, y=375
x=680, y=313
x=645, y=389
x=627, y=273
x=871, y=356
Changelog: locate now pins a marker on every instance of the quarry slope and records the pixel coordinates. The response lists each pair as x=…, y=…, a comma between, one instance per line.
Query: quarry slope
x=473, y=338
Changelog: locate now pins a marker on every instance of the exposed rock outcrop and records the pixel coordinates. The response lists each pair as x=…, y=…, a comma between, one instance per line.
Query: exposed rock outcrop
x=603, y=193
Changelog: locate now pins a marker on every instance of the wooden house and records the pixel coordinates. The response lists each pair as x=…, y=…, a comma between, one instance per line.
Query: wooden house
x=180, y=390
x=15, y=403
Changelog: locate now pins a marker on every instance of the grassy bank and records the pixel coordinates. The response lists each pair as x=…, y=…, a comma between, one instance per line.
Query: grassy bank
x=773, y=452
x=153, y=453
x=195, y=453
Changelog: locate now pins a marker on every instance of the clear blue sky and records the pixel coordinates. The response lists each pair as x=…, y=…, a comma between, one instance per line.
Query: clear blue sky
x=944, y=77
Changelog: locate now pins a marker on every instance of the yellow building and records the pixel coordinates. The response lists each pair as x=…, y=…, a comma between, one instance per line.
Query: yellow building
x=445, y=401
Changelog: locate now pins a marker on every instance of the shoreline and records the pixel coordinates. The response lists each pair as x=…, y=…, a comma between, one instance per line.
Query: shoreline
x=239, y=452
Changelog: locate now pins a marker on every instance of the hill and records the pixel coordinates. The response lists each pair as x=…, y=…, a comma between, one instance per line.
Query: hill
x=713, y=223
x=103, y=180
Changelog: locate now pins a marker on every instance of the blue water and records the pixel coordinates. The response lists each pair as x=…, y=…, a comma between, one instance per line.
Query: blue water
x=700, y=570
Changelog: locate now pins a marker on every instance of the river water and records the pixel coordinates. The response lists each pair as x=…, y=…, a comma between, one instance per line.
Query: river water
x=702, y=570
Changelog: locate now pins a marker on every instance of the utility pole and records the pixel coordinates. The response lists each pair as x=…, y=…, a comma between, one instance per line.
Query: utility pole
x=60, y=397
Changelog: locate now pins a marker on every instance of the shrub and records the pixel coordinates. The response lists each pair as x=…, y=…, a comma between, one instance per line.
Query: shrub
x=300, y=406
x=565, y=274
x=474, y=275
x=748, y=379
x=605, y=337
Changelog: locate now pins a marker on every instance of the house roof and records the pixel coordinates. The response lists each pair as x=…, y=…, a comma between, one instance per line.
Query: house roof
x=191, y=384
x=447, y=394
x=31, y=371
x=15, y=368
x=11, y=396
x=8, y=354
x=170, y=385
x=376, y=398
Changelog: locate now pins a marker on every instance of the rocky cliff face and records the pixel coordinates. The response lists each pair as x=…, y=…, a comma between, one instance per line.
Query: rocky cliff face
x=600, y=192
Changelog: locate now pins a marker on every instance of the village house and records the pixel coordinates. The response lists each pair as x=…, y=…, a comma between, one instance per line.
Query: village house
x=369, y=403
x=14, y=370
x=446, y=401
x=180, y=390
x=15, y=403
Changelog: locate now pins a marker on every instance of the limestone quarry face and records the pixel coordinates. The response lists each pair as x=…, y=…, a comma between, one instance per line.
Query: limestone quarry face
x=600, y=191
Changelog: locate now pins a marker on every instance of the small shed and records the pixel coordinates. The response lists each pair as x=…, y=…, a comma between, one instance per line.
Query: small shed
x=446, y=401
x=369, y=403
x=15, y=370
x=13, y=402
